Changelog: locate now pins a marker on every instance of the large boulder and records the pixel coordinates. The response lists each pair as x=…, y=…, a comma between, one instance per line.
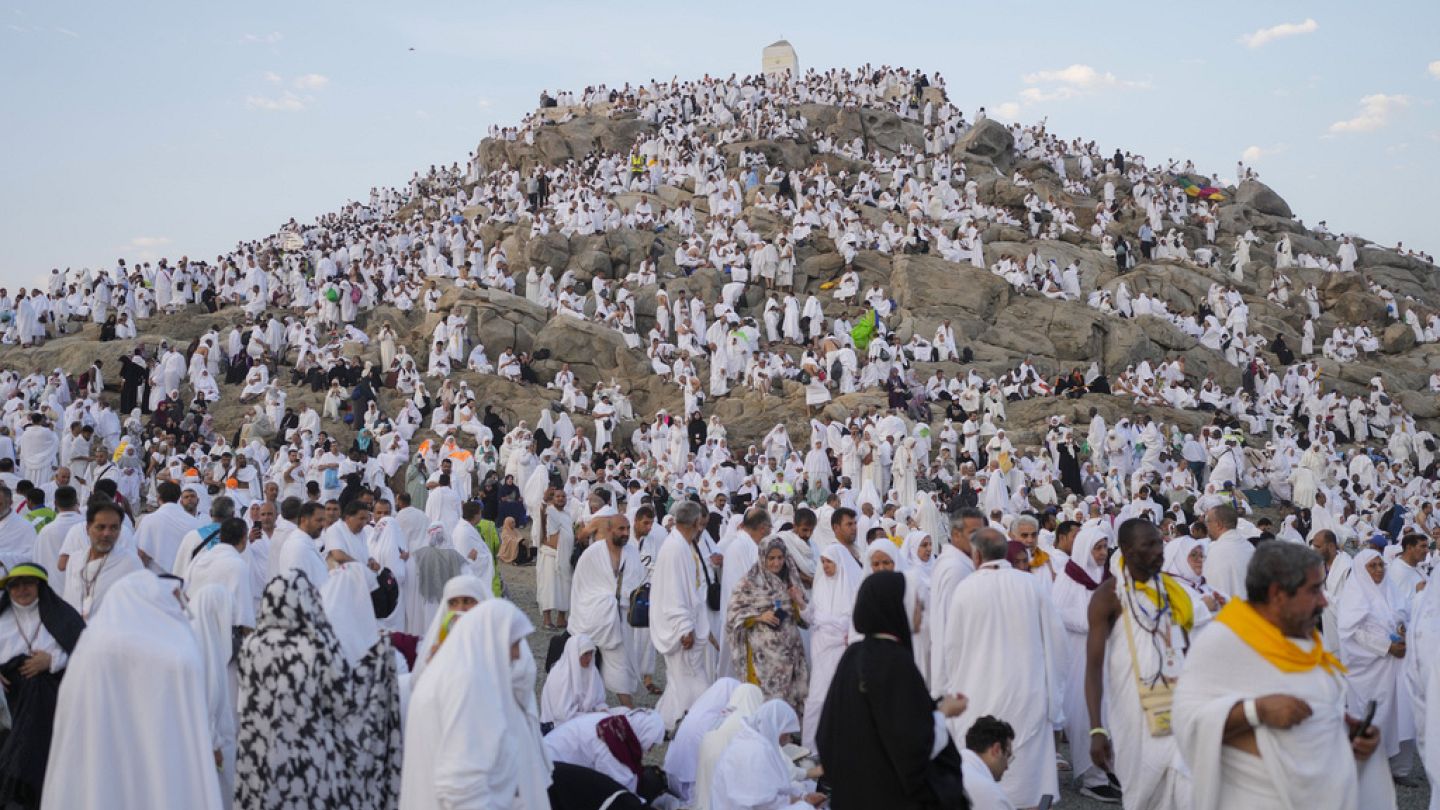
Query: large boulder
x=1396, y=338
x=551, y=250
x=594, y=352
x=1257, y=195
x=1359, y=308
x=987, y=139
x=931, y=287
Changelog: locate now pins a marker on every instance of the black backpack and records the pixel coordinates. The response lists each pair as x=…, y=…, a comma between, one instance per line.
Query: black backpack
x=386, y=596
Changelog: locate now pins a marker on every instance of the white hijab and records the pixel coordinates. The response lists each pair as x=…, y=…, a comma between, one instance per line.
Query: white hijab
x=884, y=546
x=571, y=688
x=461, y=585
x=753, y=771
x=835, y=596
x=683, y=754
x=1364, y=599
x=474, y=720
x=744, y=701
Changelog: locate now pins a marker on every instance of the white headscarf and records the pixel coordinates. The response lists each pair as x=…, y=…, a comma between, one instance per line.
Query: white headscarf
x=753, y=771
x=683, y=754
x=1177, y=560
x=472, y=730
x=1363, y=599
x=911, y=552
x=888, y=548
x=461, y=585
x=138, y=666
x=835, y=596
x=1082, y=553
x=746, y=698
x=571, y=688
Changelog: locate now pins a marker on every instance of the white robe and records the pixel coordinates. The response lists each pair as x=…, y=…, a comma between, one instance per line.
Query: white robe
x=159, y=533
x=1225, y=562
x=1002, y=650
x=1308, y=765
x=596, y=612
x=17, y=541
x=102, y=574
x=224, y=566
x=677, y=608
x=137, y=667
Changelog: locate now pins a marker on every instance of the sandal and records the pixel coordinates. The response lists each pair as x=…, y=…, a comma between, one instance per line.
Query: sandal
x=653, y=689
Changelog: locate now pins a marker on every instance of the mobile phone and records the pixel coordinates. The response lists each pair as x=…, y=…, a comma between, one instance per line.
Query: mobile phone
x=1359, y=731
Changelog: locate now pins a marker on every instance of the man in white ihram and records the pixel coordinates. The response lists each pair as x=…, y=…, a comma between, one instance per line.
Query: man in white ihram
x=679, y=617
x=1229, y=554
x=1259, y=713
x=1002, y=649
x=605, y=575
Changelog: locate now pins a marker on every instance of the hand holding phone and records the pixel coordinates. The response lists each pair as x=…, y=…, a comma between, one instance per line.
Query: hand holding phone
x=1363, y=726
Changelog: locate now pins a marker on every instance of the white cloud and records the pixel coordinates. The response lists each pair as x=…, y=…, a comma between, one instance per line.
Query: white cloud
x=1375, y=113
x=67, y=32
x=1434, y=68
x=1080, y=76
x=262, y=39
x=311, y=81
x=285, y=102
x=1254, y=154
x=1070, y=82
x=1008, y=111
x=484, y=103
x=145, y=248
x=297, y=95
x=1264, y=36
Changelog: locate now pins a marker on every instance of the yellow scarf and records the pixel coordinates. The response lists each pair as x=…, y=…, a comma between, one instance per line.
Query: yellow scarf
x=1179, y=600
x=1265, y=638
x=1038, y=558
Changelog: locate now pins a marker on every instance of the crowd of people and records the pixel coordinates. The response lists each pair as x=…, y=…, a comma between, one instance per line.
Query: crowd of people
x=1213, y=597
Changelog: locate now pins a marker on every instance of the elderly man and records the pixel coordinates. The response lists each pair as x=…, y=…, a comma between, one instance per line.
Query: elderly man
x=679, y=616
x=1229, y=553
x=1259, y=713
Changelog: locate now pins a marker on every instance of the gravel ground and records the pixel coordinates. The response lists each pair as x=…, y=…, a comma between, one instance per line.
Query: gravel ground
x=520, y=584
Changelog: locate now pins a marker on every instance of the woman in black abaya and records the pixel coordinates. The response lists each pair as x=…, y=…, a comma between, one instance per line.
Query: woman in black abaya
x=878, y=731
x=38, y=631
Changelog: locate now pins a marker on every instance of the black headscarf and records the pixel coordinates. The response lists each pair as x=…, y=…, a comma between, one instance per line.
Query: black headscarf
x=880, y=606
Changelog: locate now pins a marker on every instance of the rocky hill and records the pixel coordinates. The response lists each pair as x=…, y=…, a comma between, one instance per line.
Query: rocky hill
x=999, y=323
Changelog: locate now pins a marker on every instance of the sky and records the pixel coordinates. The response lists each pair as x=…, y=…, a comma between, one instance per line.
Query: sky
x=148, y=129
